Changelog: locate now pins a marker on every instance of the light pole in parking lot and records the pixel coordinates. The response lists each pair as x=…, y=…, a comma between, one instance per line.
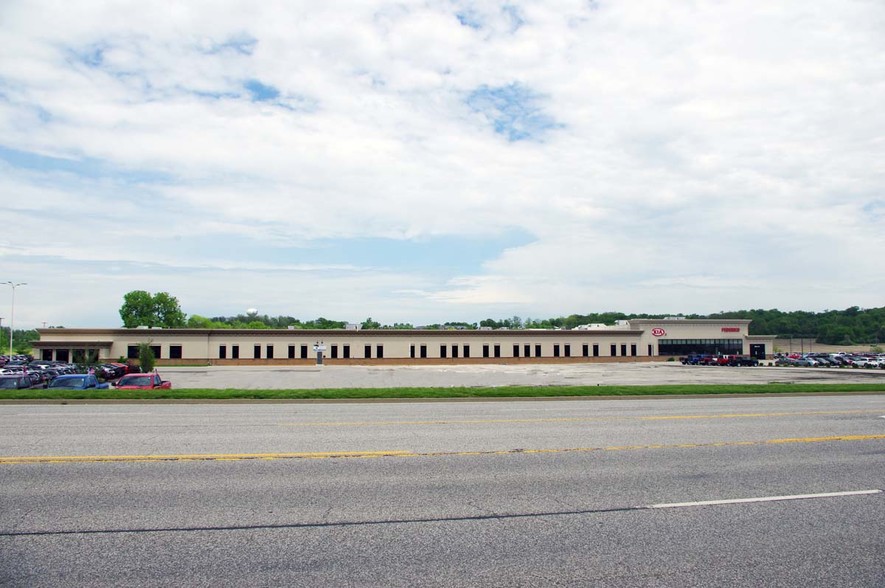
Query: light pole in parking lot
x=319, y=348
x=12, y=312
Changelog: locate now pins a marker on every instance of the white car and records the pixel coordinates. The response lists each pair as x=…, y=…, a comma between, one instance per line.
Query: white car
x=865, y=362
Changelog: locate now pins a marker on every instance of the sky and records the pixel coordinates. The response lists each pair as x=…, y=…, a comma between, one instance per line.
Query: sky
x=431, y=161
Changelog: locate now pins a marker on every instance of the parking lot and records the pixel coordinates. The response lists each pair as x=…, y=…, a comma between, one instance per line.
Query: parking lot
x=603, y=374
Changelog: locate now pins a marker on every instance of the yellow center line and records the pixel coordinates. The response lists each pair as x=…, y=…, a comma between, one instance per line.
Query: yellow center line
x=577, y=419
x=400, y=453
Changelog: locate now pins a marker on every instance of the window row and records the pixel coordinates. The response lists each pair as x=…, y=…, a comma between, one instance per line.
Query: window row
x=302, y=352
x=454, y=351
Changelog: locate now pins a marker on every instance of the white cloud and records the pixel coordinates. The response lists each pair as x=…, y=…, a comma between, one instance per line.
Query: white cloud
x=668, y=157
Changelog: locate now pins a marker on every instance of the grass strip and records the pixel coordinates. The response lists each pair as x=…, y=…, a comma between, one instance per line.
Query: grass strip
x=433, y=393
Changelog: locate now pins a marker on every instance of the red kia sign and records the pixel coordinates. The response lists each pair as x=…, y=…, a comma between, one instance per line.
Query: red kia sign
x=658, y=332
x=731, y=329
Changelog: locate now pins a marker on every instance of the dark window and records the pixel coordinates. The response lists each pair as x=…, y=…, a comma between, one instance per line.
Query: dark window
x=497, y=351
x=175, y=352
x=334, y=352
x=155, y=349
x=63, y=355
x=650, y=351
x=633, y=349
x=442, y=351
x=537, y=351
x=424, y=352
x=485, y=350
x=467, y=351
x=79, y=356
x=585, y=350
x=291, y=352
x=346, y=350
x=556, y=350
x=367, y=352
x=269, y=352
x=46, y=354
x=412, y=351
x=614, y=350
x=568, y=350
x=235, y=352
x=516, y=351
x=623, y=349
x=132, y=352
x=454, y=351
x=700, y=346
x=222, y=352
x=595, y=350
x=527, y=350
x=304, y=352
x=256, y=352
x=379, y=351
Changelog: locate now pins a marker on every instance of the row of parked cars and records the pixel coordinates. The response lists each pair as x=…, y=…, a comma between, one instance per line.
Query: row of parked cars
x=729, y=360
x=842, y=360
x=16, y=374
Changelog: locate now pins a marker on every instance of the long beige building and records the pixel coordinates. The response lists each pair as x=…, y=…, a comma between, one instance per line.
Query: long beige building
x=633, y=340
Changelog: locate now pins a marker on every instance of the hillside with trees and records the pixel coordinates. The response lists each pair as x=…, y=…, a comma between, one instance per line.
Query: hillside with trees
x=852, y=326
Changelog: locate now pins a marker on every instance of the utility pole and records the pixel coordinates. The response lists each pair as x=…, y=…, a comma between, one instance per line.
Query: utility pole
x=12, y=313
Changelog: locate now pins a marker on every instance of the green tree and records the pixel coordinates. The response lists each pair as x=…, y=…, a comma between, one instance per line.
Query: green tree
x=146, y=357
x=138, y=309
x=196, y=321
x=142, y=309
x=370, y=324
x=168, y=311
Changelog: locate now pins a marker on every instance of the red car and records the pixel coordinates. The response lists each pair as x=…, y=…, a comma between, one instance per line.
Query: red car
x=150, y=381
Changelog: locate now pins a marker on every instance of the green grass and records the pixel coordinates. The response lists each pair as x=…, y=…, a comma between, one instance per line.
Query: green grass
x=418, y=393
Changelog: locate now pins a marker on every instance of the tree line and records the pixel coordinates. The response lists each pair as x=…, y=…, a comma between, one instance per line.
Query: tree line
x=852, y=326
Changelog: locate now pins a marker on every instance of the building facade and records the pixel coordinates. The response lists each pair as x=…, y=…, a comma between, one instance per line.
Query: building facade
x=634, y=340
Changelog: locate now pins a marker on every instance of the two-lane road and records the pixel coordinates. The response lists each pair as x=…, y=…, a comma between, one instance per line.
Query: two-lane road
x=705, y=492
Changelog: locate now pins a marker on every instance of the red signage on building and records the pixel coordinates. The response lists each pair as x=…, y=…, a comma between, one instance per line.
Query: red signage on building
x=731, y=329
x=658, y=332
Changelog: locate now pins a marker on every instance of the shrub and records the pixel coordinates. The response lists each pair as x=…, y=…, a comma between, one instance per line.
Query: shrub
x=145, y=357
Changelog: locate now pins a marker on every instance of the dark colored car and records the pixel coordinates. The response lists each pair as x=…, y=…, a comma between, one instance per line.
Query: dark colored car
x=15, y=382
x=78, y=382
x=37, y=378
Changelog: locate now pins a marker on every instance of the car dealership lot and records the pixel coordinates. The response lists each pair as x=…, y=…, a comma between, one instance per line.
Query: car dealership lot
x=573, y=374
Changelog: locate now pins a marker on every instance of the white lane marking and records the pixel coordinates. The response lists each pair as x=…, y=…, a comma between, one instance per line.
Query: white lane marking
x=763, y=499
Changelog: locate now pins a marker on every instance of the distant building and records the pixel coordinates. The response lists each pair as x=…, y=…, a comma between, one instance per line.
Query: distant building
x=633, y=340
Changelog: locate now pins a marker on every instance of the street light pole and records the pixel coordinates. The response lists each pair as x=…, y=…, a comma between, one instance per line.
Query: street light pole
x=12, y=313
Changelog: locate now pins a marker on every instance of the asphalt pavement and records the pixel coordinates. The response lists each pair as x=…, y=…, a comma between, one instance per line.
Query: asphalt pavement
x=560, y=493
x=565, y=374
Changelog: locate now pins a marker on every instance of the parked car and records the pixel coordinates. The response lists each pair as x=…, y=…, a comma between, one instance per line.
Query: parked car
x=37, y=378
x=865, y=362
x=15, y=382
x=142, y=382
x=743, y=360
x=78, y=382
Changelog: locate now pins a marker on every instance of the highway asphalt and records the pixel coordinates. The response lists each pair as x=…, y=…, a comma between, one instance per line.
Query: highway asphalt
x=554, y=493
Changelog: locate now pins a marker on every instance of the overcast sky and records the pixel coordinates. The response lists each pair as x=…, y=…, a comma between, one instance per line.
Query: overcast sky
x=441, y=160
